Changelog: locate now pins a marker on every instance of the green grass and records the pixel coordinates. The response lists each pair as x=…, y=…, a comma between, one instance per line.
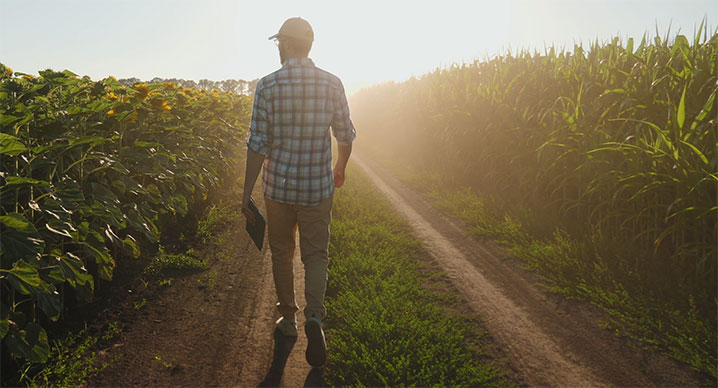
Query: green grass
x=72, y=361
x=219, y=215
x=168, y=264
x=208, y=280
x=392, y=321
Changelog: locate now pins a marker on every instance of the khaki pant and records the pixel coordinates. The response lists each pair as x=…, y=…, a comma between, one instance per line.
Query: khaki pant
x=313, y=222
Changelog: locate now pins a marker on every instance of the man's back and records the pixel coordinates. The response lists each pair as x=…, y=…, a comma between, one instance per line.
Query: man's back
x=293, y=110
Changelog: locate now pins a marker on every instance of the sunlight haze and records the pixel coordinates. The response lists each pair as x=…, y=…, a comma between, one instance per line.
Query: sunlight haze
x=361, y=42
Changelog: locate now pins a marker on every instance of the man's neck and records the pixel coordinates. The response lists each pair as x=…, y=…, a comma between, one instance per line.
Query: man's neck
x=292, y=56
x=296, y=58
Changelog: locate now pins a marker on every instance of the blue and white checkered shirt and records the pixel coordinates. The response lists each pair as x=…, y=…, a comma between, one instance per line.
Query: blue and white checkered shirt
x=294, y=107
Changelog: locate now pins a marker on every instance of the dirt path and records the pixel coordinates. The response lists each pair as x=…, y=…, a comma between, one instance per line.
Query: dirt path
x=548, y=340
x=196, y=334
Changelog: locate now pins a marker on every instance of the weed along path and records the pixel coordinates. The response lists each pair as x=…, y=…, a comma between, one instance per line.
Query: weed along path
x=548, y=340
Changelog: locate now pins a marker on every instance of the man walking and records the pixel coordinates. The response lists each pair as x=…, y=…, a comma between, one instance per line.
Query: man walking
x=294, y=109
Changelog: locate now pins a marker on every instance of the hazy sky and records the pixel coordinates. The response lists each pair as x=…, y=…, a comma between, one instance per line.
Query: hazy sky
x=362, y=42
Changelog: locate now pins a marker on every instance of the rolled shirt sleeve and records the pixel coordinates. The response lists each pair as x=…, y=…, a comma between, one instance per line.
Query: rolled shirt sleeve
x=259, y=140
x=342, y=126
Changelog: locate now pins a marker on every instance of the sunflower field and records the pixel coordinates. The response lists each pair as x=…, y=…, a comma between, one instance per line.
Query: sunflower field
x=93, y=172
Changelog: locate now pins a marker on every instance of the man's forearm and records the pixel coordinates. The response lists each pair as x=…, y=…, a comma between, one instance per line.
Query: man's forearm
x=254, y=165
x=345, y=150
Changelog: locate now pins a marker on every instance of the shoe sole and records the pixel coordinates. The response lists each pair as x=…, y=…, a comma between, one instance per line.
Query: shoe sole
x=316, y=346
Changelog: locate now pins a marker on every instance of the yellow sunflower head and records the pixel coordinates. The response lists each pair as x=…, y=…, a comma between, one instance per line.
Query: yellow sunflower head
x=159, y=103
x=142, y=91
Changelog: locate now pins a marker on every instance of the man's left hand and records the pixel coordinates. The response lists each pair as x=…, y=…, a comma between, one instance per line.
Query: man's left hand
x=338, y=177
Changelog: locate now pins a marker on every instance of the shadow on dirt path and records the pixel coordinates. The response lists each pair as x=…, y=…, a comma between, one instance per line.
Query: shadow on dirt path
x=283, y=346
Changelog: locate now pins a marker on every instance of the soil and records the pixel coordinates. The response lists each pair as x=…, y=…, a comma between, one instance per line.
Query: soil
x=202, y=333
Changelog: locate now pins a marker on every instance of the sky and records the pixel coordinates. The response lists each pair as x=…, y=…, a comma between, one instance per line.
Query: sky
x=362, y=42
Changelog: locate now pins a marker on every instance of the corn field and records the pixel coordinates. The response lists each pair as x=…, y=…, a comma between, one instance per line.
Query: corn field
x=614, y=143
x=92, y=173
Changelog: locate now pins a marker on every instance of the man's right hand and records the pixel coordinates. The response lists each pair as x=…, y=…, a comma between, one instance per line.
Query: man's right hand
x=339, y=168
x=245, y=209
x=254, y=165
x=338, y=177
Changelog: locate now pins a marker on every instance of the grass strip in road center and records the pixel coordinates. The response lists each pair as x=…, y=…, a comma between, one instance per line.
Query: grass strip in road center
x=394, y=320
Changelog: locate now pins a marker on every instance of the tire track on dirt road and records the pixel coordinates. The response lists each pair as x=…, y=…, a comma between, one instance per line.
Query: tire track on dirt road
x=549, y=341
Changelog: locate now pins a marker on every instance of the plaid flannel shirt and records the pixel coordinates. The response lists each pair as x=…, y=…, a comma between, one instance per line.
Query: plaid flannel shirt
x=294, y=107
